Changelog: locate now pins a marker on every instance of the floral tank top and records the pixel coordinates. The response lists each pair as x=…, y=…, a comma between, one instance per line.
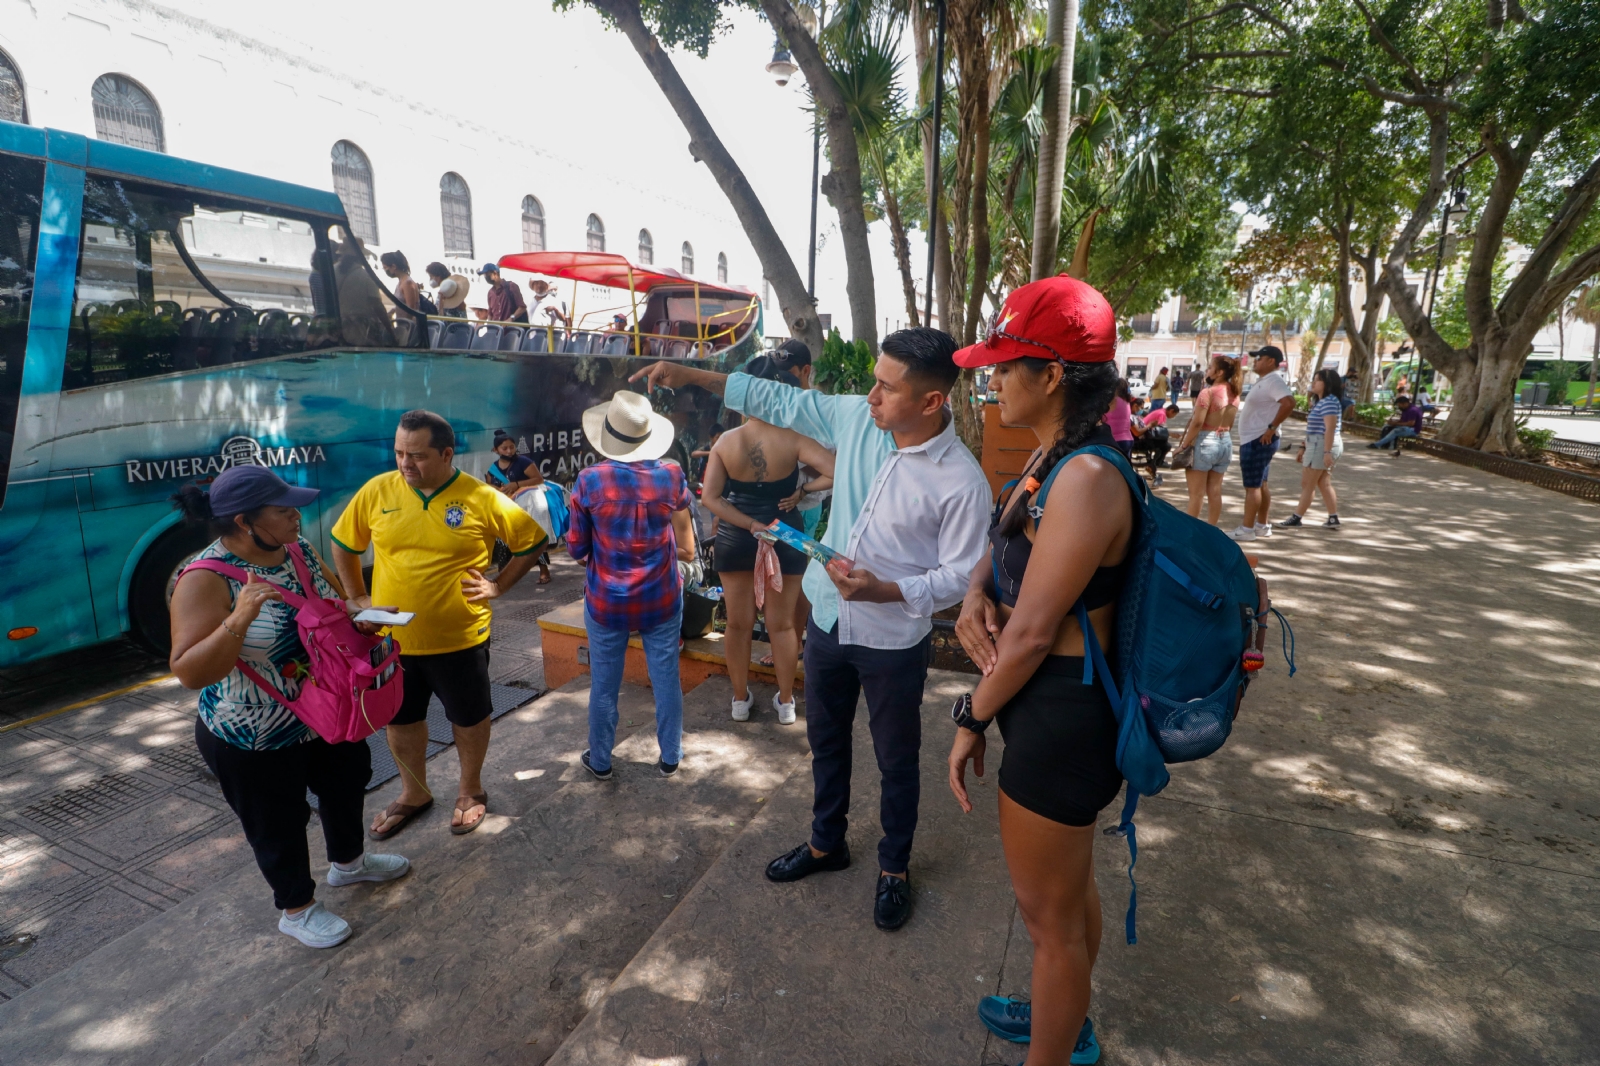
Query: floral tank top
x=236, y=709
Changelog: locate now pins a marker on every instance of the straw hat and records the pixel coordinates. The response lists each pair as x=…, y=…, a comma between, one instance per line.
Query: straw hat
x=453, y=291
x=627, y=429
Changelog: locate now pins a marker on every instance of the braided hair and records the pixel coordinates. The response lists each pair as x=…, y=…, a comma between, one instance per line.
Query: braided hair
x=1088, y=391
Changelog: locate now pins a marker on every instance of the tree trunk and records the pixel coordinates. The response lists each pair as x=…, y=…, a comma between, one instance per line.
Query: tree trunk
x=1061, y=30
x=980, y=213
x=902, y=250
x=924, y=28
x=842, y=183
x=706, y=147
x=1308, y=368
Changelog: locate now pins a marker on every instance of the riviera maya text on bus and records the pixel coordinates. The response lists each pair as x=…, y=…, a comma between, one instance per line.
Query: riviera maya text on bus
x=236, y=451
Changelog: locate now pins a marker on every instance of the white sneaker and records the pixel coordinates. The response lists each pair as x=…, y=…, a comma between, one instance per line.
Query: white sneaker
x=315, y=927
x=372, y=868
x=1264, y=530
x=741, y=709
x=1243, y=533
x=785, y=710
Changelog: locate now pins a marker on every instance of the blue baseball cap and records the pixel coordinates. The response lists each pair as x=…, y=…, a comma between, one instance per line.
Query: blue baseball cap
x=244, y=488
x=490, y=268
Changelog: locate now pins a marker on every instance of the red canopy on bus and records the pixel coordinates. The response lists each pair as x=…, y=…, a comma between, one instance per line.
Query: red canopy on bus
x=604, y=268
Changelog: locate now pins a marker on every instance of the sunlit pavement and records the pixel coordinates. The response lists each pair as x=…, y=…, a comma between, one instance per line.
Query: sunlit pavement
x=1392, y=861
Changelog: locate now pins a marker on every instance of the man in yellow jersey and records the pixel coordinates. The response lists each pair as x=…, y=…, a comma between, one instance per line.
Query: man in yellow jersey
x=432, y=530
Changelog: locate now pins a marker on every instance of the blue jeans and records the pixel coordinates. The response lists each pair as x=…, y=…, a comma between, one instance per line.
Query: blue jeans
x=608, y=649
x=1391, y=439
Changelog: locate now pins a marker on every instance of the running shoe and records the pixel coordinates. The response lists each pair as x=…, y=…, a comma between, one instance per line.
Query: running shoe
x=785, y=710
x=372, y=868
x=1007, y=1017
x=315, y=927
x=741, y=709
x=1243, y=533
x=1263, y=530
x=1087, y=1050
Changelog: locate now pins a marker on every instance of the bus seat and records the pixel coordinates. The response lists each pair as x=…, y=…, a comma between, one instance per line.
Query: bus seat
x=677, y=350
x=273, y=333
x=615, y=344
x=511, y=338
x=224, y=323
x=486, y=338
x=194, y=334
x=656, y=347
x=299, y=330
x=122, y=307
x=434, y=326
x=169, y=308
x=404, y=326
x=456, y=335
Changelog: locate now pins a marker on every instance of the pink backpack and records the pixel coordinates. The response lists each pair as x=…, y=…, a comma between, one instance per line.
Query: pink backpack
x=356, y=682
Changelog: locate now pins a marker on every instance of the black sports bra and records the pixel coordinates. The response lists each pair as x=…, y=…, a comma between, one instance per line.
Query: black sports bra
x=1009, y=555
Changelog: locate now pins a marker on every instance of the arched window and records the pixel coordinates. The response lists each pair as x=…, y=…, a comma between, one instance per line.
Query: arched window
x=13, y=104
x=722, y=268
x=352, y=180
x=688, y=258
x=596, y=231
x=647, y=248
x=455, y=208
x=532, y=224
x=125, y=114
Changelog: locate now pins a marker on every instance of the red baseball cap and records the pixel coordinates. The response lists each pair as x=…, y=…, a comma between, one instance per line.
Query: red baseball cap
x=1058, y=317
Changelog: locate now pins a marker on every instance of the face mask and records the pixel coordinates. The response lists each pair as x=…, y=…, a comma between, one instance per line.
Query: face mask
x=263, y=545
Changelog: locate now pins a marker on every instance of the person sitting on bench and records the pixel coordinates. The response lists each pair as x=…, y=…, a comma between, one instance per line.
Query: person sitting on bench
x=1406, y=422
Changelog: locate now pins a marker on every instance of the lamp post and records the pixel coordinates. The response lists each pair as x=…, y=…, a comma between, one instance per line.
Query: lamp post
x=933, y=193
x=782, y=68
x=1455, y=211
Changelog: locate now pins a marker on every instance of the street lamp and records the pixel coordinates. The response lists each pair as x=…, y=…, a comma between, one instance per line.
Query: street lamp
x=1454, y=212
x=782, y=67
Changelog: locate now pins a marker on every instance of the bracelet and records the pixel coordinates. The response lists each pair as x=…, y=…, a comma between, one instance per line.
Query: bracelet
x=236, y=636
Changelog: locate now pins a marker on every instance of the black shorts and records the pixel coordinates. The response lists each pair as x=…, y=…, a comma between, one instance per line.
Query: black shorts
x=1060, y=760
x=459, y=678
x=736, y=549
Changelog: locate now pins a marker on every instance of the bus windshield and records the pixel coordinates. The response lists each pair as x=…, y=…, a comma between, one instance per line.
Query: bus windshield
x=168, y=282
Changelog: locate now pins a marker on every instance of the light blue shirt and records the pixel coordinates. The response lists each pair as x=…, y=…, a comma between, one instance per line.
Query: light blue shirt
x=916, y=516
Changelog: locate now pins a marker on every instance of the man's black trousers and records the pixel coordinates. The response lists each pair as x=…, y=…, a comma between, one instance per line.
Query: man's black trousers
x=267, y=790
x=836, y=675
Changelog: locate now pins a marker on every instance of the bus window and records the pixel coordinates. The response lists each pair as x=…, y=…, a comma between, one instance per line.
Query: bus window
x=21, y=183
x=168, y=284
x=369, y=315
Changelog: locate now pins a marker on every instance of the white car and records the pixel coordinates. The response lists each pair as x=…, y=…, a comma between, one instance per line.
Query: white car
x=1139, y=388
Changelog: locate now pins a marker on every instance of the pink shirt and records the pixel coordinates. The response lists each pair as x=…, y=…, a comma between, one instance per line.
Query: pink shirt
x=1120, y=419
x=1157, y=417
x=1215, y=396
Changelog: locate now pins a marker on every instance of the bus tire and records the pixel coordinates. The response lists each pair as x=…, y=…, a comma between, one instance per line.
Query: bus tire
x=151, y=591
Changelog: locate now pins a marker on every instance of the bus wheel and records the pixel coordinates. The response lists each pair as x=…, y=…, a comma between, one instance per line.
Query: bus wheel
x=150, y=595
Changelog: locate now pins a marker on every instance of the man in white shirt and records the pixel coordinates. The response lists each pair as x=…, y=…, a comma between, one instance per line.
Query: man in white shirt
x=546, y=308
x=910, y=510
x=1269, y=403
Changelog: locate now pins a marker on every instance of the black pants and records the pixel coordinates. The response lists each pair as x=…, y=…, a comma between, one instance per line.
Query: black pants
x=836, y=674
x=267, y=790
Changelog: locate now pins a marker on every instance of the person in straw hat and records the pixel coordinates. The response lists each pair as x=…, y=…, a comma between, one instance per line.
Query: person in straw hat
x=630, y=526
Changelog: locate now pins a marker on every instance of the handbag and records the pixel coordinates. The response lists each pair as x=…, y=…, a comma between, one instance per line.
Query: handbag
x=1183, y=458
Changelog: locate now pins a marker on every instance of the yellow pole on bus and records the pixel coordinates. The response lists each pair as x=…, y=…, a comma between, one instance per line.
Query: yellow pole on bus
x=699, y=319
x=633, y=299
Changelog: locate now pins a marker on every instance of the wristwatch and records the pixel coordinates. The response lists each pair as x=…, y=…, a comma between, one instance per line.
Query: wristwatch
x=961, y=714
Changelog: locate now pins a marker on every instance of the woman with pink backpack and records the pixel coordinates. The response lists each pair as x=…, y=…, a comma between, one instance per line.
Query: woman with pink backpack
x=237, y=640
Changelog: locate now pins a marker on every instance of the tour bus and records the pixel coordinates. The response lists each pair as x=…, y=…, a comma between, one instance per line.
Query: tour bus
x=162, y=320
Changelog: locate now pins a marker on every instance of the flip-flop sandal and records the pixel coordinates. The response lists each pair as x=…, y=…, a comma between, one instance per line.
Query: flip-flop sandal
x=766, y=660
x=404, y=811
x=465, y=804
x=544, y=579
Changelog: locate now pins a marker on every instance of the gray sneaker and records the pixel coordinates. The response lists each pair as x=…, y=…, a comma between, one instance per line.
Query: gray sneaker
x=372, y=868
x=315, y=927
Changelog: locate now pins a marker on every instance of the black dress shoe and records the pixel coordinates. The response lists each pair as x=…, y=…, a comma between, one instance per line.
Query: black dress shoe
x=893, y=905
x=793, y=865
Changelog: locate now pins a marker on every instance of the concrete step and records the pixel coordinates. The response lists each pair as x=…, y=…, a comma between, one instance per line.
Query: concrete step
x=750, y=972
x=497, y=941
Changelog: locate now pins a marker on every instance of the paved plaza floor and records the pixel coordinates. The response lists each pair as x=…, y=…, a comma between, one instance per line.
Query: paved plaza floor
x=1393, y=860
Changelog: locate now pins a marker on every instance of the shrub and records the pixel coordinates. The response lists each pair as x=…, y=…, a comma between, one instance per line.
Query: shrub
x=845, y=367
x=1534, y=441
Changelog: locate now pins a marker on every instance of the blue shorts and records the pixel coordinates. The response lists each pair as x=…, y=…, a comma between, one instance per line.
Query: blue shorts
x=1254, y=458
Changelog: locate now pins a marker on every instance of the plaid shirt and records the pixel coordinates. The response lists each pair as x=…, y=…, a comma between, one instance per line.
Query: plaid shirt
x=622, y=528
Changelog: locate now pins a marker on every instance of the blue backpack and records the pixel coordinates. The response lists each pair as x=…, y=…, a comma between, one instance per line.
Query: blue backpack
x=1191, y=628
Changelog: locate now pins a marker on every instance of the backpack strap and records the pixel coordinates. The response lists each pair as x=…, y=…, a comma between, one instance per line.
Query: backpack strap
x=1141, y=491
x=1094, y=659
x=292, y=598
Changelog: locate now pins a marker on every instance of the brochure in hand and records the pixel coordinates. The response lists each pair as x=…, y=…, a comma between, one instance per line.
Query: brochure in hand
x=781, y=533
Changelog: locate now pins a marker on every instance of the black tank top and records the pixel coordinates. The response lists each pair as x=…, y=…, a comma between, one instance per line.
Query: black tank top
x=1010, y=554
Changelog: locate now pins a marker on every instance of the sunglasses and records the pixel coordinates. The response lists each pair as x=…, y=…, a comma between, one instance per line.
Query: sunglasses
x=996, y=333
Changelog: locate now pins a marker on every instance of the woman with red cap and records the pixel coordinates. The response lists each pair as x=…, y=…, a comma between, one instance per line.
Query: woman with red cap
x=1052, y=347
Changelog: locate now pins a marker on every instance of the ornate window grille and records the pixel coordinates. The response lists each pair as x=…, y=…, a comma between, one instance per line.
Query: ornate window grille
x=352, y=180
x=455, y=209
x=596, y=233
x=532, y=224
x=688, y=258
x=647, y=248
x=125, y=114
x=13, y=102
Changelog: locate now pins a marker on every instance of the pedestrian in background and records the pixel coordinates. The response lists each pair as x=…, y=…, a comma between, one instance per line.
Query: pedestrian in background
x=547, y=308
x=1269, y=403
x=630, y=527
x=264, y=757
x=1215, y=407
x=1321, y=450
x=753, y=470
x=512, y=473
x=1120, y=418
x=408, y=291
x=1159, y=390
x=451, y=289
x=505, y=296
x=432, y=529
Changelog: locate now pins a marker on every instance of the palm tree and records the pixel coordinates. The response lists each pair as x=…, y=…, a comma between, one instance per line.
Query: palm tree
x=1587, y=307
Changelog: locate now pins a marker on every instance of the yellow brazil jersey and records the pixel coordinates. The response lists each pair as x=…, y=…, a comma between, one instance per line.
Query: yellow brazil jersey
x=422, y=546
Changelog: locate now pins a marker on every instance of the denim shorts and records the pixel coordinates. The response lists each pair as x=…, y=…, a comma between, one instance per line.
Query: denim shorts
x=1213, y=452
x=1254, y=458
x=1318, y=453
